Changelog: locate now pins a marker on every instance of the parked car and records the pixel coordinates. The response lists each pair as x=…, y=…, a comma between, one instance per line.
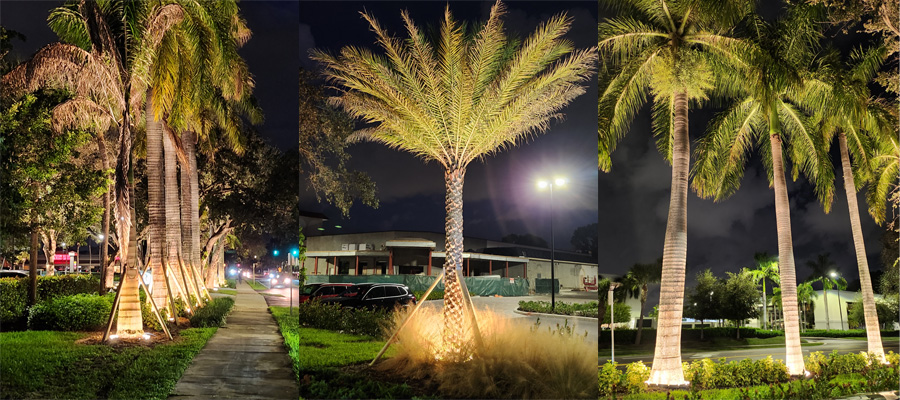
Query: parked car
x=374, y=295
x=322, y=290
x=16, y=273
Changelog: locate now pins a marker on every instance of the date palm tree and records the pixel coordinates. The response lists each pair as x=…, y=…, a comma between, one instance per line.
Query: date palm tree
x=636, y=284
x=766, y=268
x=681, y=52
x=844, y=109
x=460, y=98
x=764, y=117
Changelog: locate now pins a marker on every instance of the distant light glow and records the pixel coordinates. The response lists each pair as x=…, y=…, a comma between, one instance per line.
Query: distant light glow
x=321, y=229
x=559, y=181
x=833, y=274
x=100, y=236
x=542, y=184
x=336, y=226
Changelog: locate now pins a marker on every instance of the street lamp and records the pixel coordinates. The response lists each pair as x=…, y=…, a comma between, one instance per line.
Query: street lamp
x=834, y=275
x=542, y=184
x=612, y=320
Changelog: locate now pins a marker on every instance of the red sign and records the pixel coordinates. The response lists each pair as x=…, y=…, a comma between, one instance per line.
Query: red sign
x=61, y=258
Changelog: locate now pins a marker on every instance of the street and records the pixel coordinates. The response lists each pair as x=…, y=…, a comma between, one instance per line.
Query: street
x=828, y=345
x=507, y=306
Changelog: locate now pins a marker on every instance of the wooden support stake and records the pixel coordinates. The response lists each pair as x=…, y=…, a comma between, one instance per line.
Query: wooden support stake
x=408, y=318
x=471, y=308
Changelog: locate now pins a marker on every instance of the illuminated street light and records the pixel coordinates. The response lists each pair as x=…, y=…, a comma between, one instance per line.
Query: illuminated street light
x=542, y=184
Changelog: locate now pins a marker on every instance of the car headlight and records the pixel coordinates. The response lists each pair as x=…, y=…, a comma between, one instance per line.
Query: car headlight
x=274, y=281
x=287, y=281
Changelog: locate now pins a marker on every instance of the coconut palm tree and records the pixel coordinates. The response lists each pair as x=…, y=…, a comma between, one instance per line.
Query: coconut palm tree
x=681, y=52
x=766, y=268
x=636, y=283
x=844, y=109
x=824, y=270
x=457, y=99
x=764, y=116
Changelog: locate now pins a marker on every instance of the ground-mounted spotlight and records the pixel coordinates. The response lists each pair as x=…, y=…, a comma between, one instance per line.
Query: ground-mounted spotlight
x=113, y=337
x=146, y=336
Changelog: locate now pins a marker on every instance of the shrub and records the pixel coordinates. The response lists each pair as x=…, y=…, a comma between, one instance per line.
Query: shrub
x=213, y=313
x=892, y=358
x=79, y=312
x=635, y=378
x=581, y=309
x=608, y=378
x=231, y=283
x=841, y=333
x=315, y=314
x=14, y=294
x=13, y=298
x=50, y=287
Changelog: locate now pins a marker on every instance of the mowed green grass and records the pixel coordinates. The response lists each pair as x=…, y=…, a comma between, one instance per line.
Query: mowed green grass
x=256, y=285
x=323, y=349
x=45, y=364
x=289, y=326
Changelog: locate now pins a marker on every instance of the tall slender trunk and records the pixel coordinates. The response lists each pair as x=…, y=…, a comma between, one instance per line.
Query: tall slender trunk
x=873, y=334
x=667, y=355
x=106, y=274
x=637, y=338
x=765, y=307
x=173, y=220
x=156, y=205
x=794, y=355
x=130, y=322
x=220, y=262
x=827, y=312
x=125, y=228
x=32, y=267
x=454, y=333
x=190, y=210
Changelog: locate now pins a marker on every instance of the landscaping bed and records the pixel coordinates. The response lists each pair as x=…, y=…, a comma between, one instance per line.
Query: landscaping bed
x=589, y=309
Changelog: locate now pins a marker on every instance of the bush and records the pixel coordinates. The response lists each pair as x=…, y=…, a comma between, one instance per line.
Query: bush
x=213, y=313
x=609, y=378
x=315, y=314
x=580, y=309
x=708, y=374
x=14, y=294
x=626, y=336
x=80, y=312
x=834, y=333
x=231, y=283
x=635, y=378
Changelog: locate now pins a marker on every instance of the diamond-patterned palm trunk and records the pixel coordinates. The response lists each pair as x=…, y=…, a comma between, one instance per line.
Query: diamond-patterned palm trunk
x=789, y=304
x=873, y=333
x=667, y=356
x=173, y=222
x=156, y=205
x=455, y=336
x=190, y=208
x=128, y=320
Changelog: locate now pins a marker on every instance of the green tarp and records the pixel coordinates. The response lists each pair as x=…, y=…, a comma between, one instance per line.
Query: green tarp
x=480, y=286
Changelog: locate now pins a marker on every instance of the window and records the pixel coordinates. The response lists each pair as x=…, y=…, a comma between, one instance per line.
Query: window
x=376, y=292
x=392, y=291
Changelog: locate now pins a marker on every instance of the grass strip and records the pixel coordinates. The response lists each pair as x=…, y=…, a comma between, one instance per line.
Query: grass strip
x=46, y=364
x=257, y=286
x=289, y=325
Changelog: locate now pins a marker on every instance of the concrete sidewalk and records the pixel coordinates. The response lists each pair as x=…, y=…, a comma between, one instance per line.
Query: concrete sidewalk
x=245, y=359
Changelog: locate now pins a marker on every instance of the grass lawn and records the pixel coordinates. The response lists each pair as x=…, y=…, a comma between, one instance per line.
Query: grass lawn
x=45, y=364
x=256, y=285
x=232, y=292
x=289, y=326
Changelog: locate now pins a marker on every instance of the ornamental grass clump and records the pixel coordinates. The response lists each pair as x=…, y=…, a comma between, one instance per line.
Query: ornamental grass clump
x=516, y=360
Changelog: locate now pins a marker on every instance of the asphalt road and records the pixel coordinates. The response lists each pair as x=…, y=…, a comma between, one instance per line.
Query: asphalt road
x=281, y=297
x=506, y=306
x=828, y=345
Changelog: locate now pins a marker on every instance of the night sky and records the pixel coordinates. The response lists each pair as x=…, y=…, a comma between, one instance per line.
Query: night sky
x=270, y=56
x=500, y=194
x=722, y=236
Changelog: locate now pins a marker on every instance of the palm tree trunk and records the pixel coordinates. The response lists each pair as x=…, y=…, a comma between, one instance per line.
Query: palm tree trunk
x=190, y=209
x=637, y=338
x=454, y=333
x=667, y=355
x=827, y=312
x=173, y=220
x=873, y=334
x=794, y=355
x=129, y=321
x=106, y=274
x=156, y=206
x=765, y=306
x=126, y=230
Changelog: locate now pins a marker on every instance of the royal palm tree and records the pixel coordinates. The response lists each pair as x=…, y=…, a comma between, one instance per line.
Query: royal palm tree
x=681, y=52
x=825, y=270
x=844, y=109
x=636, y=284
x=766, y=268
x=764, y=116
x=463, y=97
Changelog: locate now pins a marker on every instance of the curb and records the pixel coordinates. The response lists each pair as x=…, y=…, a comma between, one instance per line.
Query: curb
x=537, y=314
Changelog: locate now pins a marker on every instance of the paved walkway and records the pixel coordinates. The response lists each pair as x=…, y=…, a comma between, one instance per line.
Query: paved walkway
x=245, y=359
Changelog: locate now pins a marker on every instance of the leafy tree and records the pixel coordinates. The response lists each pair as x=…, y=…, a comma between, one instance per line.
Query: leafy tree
x=766, y=268
x=456, y=99
x=737, y=297
x=45, y=189
x=682, y=53
x=888, y=313
x=585, y=239
x=324, y=130
x=700, y=304
x=525, y=239
x=622, y=313
x=636, y=284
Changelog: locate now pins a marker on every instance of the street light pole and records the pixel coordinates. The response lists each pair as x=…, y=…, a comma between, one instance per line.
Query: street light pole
x=612, y=320
x=552, y=257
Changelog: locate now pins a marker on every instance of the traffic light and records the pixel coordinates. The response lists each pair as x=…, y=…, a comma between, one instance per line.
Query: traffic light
x=275, y=253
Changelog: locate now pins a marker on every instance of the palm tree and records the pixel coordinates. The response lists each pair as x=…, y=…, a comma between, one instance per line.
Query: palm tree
x=825, y=271
x=461, y=98
x=805, y=295
x=680, y=52
x=636, y=283
x=766, y=268
x=763, y=115
x=843, y=107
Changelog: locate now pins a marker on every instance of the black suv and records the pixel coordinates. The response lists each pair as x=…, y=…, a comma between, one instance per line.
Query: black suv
x=374, y=295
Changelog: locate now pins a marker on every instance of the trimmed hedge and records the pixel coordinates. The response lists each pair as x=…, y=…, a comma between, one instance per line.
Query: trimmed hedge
x=80, y=312
x=834, y=333
x=589, y=309
x=356, y=321
x=14, y=294
x=213, y=313
x=626, y=336
x=707, y=374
